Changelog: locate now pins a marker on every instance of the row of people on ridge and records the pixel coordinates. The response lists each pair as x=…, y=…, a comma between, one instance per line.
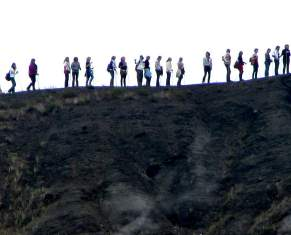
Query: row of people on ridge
x=143, y=70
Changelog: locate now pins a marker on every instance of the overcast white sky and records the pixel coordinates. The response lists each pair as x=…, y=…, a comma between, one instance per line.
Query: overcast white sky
x=49, y=30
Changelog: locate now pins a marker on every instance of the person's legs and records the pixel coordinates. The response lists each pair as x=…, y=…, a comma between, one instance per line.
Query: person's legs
x=288, y=63
x=267, y=69
x=241, y=75
x=209, y=74
x=33, y=79
x=77, y=79
x=228, y=72
x=91, y=78
x=180, y=80
x=168, y=82
x=158, y=79
x=277, y=67
x=12, y=89
x=112, y=78
x=284, y=67
x=66, y=80
x=73, y=79
x=205, y=73
x=139, y=77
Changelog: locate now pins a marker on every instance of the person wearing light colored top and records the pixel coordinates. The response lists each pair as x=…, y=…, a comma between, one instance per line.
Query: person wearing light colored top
x=67, y=71
x=227, y=62
x=207, y=63
x=159, y=70
x=180, y=72
x=169, y=70
x=139, y=67
x=112, y=69
x=12, y=73
x=276, y=56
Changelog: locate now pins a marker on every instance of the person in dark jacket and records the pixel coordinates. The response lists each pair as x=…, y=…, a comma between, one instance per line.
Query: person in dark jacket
x=147, y=71
x=123, y=71
x=255, y=63
x=286, y=59
x=268, y=62
x=76, y=67
x=241, y=64
x=32, y=72
x=180, y=71
x=111, y=68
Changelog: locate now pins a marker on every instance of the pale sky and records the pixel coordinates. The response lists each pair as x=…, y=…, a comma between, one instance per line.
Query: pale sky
x=50, y=30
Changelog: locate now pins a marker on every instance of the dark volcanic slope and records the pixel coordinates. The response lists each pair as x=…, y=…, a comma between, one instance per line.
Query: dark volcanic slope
x=212, y=160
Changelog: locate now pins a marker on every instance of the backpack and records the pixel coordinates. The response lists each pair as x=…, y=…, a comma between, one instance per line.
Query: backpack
x=7, y=76
x=236, y=65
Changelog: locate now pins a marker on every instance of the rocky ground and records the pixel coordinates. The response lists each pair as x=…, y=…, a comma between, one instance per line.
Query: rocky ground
x=197, y=160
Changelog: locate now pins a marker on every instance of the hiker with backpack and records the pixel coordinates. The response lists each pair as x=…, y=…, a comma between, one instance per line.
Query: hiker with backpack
x=139, y=68
x=76, y=67
x=32, y=72
x=159, y=70
x=11, y=77
x=286, y=59
x=268, y=62
x=169, y=70
x=207, y=64
x=67, y=71
x=239, y=64
x=276, y=55
x=147, y=71
x=111, y=68
x=123, y=71
x=180, y=71
x=89, y=72
x=227, y=62
x=255, y=63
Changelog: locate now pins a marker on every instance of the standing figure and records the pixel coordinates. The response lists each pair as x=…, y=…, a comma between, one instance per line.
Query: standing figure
x=123, y=71
x=286, y=59
x=32, y=73
x=255, y=63
x=159, y=70
x=76, y=67
x=67, y=71
x=147, y=71
x=139, y=67
x=12, y=73
x=207, y=64
x=276, y=56
x=240, y=65
x=111, y=68
x=169, y=70
x=89, y=72
x=180, y=72
x=227, y=62
x=268, y=62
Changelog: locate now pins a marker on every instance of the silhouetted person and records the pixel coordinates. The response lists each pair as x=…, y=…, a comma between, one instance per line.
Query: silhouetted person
x=268, y=62
x=207, y=64
x=76, y=67
x=32, y=72
x=123, y=71
x=240, y=65
x=67, y=71
x=180, y=72
x=12, y=73
x=89, y=72
x=111, y=68
x=276, y=56
x=227, y=62
x=139, y=68
x=159, y=70
x=169, y=70
x=255, y=63
x=147, y=71
x=286, y=59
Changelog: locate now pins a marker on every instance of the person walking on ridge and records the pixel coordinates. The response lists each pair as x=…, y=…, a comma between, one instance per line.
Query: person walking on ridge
x=180, y=72
x=89, y=72
x=12, y=73
x=169, y=70
x=32, y=73
x=139, y=67
x=159, y=70
x=276, y=55
x=67, y=71
x=268, y=62
x=239, y=64
x=255, y=63
x=76, y=67
x=227, y=62
x=147, y=71
x=207, y=64
x=286, y=59
x=123, y=71
x=111, y=68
